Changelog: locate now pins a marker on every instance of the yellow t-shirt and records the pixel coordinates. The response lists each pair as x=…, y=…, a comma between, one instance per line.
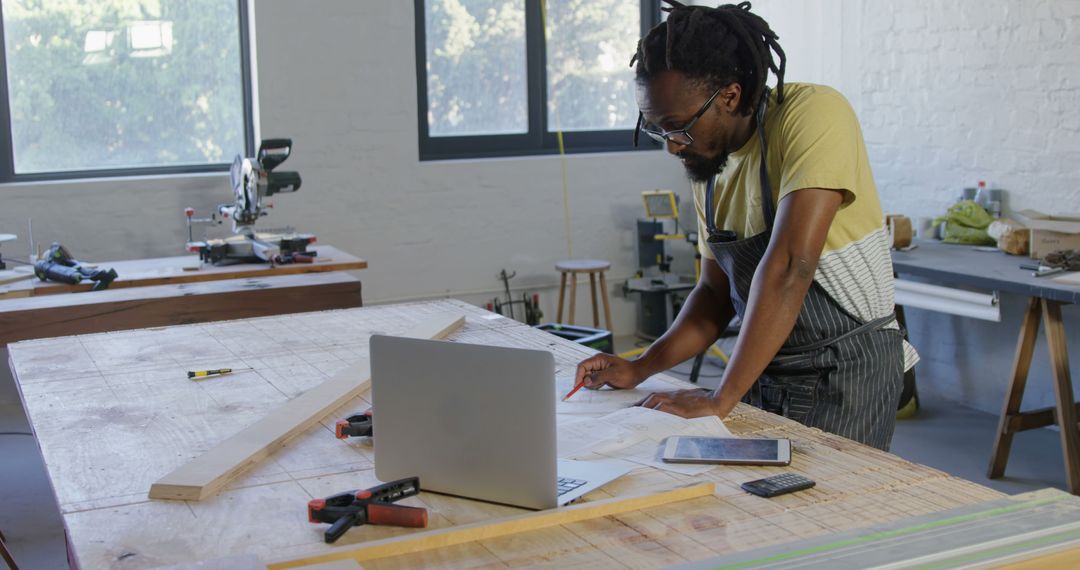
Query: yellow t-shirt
x=814, y=141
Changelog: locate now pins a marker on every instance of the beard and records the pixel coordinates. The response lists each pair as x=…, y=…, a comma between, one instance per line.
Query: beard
x=701, y=169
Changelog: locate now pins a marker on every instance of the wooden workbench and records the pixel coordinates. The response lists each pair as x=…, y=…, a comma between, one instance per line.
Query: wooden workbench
x=162, y=305
x=178, y=290
x=968, y=266
x=187, y=269
x=114, y=412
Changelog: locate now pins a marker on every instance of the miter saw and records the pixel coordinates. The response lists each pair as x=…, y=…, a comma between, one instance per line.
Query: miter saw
x=253, y=180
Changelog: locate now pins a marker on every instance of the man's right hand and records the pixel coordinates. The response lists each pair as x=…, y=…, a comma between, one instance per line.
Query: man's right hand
x=607, y=370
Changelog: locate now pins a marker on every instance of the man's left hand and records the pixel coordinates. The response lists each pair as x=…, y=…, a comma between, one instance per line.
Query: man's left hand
x=692, y=403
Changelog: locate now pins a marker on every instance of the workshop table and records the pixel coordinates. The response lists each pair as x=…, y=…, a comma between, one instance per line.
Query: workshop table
x=969, y=266
x=178, y=290
x=115, y=412
x=187, y=269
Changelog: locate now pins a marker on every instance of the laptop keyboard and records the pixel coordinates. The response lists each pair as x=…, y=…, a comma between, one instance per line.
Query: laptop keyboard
x=567, y=484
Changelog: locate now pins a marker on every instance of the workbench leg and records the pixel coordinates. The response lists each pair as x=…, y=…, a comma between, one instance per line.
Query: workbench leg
x=604, y=298
x=1025, y=346
x=595, y=307
x=1063, y=392
x=562, y=296
x=573, y=298
x=6, y=555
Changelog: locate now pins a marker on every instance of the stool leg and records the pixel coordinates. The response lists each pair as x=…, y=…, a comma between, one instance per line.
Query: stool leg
x=573, y=298
x=604, y=298
x=595, y=307
x=562, y=295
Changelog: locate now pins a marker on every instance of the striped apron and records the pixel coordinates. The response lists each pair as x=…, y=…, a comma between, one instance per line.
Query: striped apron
x=835, y=371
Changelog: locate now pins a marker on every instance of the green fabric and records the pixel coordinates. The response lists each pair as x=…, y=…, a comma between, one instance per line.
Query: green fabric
x=966, y=223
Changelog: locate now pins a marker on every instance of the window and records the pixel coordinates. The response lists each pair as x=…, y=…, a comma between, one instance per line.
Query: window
x=115, y=87
x=505, y=77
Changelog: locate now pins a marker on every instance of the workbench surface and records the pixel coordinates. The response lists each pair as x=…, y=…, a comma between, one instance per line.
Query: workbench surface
x=114, y=412
x=952, y=264
x=187, y=269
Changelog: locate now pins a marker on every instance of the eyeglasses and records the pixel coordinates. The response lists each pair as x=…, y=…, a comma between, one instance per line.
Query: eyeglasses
x=678, y=136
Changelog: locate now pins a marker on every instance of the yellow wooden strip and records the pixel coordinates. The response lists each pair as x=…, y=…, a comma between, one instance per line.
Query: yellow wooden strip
x=407, y=544
x=1067, y=559
x=207, y=474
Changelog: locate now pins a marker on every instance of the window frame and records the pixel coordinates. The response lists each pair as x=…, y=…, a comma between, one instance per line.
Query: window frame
x=537, y=141
x=7, y=155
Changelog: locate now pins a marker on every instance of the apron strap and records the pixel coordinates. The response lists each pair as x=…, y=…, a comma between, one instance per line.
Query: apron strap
x=865, y=327
x=710, y=217
x=767, y=206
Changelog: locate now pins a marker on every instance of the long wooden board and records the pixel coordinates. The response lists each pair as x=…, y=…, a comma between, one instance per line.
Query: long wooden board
x=187, y=269
x=409, y=543
x=207, y=474
x=164, y=305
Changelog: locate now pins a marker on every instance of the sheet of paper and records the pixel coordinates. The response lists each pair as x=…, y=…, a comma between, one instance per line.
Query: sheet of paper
x=605, y=400
x=635, y=434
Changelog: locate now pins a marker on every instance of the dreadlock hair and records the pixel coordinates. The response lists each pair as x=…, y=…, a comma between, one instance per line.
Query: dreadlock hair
x=715, y=46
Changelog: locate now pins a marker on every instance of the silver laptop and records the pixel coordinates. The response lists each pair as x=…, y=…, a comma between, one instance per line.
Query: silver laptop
x=474, y=421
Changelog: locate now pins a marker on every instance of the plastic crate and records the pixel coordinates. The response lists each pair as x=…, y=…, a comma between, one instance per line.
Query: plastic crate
x=598, y=339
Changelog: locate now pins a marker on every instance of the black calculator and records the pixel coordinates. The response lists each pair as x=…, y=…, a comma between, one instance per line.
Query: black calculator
x=778, y=485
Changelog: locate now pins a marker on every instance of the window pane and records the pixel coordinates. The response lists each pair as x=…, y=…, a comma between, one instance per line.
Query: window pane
x=590, y=82
x=123, y=83
x=476, y=79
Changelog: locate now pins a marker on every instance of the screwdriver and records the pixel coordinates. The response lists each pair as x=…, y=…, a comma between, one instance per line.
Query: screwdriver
x=218, y=372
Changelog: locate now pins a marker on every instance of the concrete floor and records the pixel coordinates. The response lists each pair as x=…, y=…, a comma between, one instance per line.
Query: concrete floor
x=944, y=435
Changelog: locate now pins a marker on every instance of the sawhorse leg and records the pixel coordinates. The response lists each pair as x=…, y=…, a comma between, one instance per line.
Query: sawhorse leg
x=6, y=555
x=1064, y=413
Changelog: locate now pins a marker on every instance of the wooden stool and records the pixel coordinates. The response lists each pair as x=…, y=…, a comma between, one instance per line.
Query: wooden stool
x=592, y=267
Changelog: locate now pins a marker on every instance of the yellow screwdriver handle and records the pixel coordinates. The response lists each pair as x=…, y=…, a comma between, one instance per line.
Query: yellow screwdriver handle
x=205, y=373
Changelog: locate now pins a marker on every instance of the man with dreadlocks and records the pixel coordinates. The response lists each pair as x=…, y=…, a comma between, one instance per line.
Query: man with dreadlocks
x=792, y=234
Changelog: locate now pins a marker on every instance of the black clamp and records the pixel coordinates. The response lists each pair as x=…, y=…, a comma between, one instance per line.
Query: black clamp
x=359, y=425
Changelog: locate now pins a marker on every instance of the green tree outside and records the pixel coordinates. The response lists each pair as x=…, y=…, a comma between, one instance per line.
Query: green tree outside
x=84, y=95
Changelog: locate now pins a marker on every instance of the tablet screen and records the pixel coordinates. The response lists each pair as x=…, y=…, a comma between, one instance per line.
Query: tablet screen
x=726, y=448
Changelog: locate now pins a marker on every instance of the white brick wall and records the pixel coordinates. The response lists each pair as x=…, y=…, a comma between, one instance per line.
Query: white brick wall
x=953, y=92
x=959, y=91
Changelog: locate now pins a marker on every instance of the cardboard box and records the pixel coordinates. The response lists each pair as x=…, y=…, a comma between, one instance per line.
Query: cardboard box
x=1051, y=233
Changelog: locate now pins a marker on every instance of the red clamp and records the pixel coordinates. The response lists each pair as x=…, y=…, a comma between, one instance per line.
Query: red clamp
x=368, y=506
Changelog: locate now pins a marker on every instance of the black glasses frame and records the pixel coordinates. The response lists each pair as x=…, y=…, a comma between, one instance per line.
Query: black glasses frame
x=663, y=137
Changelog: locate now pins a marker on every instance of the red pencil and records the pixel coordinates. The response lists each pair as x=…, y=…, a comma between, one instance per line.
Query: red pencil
x=576, y=388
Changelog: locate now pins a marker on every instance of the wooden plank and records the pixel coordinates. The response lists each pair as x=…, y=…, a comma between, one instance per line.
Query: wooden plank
x=14, y=275
x=335, y=565
x=208, y=473
x=161, y=305
x=1063, y=560
x=186, y=269
x=440, y=538
x=239, y=562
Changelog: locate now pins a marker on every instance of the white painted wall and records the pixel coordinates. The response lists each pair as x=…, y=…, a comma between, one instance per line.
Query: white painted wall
x=338, y=77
